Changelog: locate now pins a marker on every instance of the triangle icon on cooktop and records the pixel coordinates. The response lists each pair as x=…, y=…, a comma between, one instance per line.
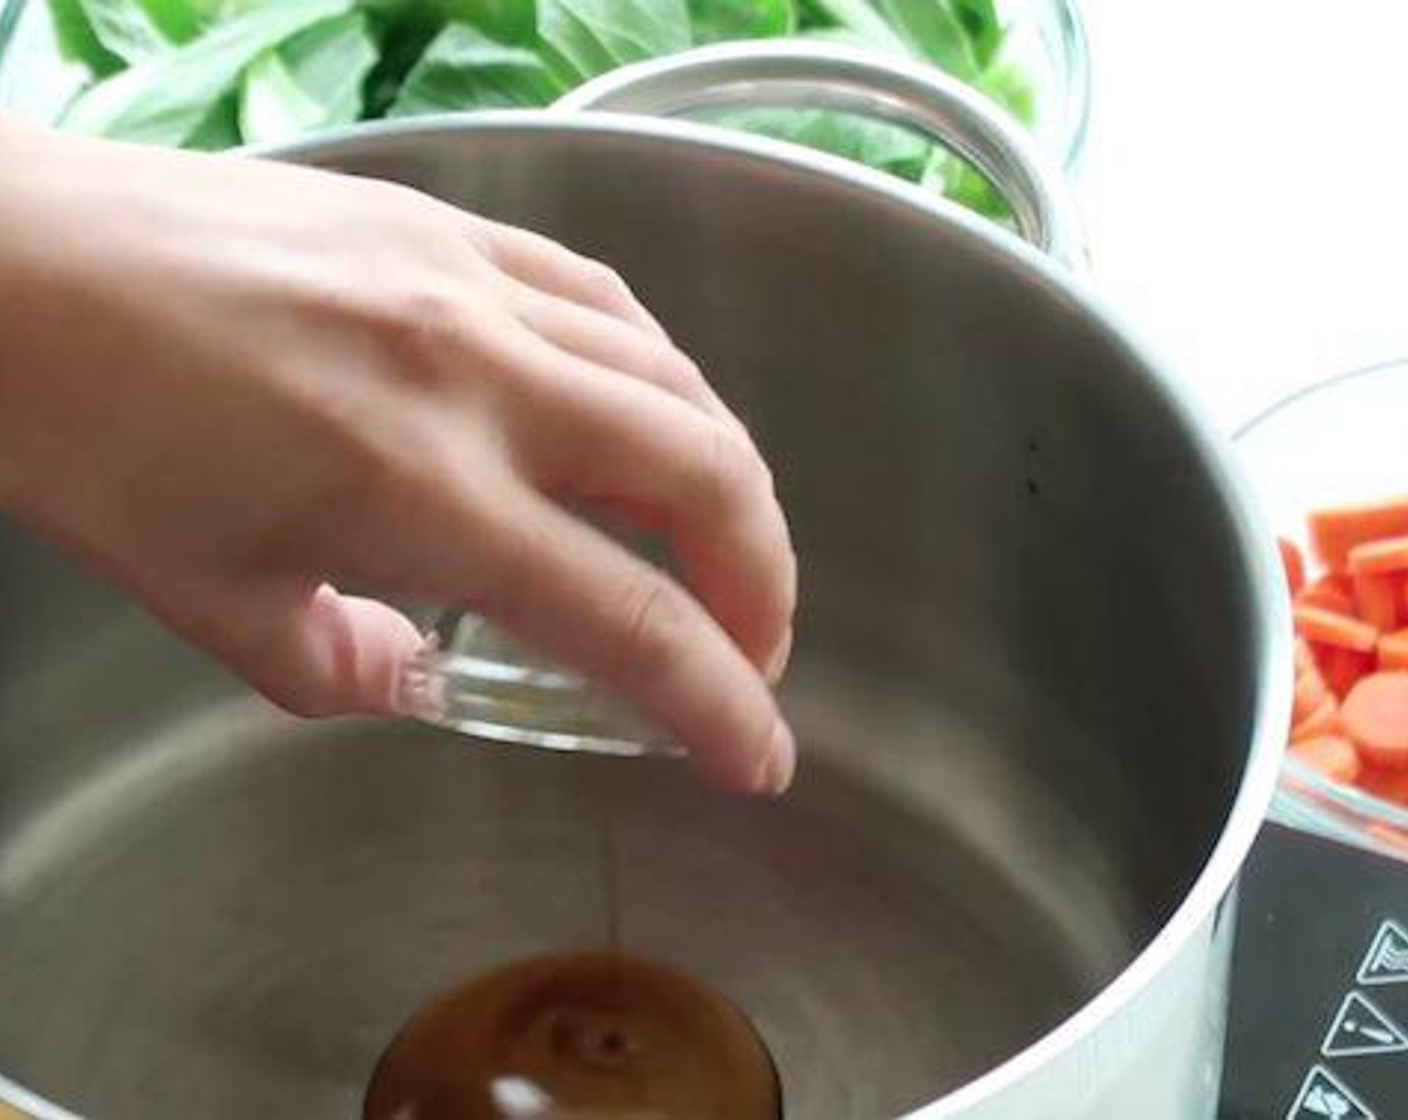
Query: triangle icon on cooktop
x=1386, y=962
x=1361, y=1029
x=1323, y=1097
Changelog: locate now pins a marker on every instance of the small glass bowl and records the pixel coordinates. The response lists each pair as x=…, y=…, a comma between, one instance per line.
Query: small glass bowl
x=1335, y=442
x=474, y=678
x=1047, y=38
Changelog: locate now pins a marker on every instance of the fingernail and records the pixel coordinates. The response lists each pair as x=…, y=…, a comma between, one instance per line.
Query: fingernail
x=778, y=665
x=780, y=761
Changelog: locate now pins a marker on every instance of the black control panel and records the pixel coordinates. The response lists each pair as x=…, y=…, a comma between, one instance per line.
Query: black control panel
x=1319, y=1013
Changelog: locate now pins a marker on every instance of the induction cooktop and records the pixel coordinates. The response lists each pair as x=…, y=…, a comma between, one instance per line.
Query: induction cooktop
x=1319, y=1013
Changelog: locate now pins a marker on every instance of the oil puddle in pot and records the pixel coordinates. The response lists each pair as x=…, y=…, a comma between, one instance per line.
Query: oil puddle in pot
x=578, y=1036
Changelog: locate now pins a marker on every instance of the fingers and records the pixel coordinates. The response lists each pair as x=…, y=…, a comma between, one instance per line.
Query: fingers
x=317, y=652
x=584, y=307
x=542, y=263
x=614, y=443
x=615, y=344
x=578, y=596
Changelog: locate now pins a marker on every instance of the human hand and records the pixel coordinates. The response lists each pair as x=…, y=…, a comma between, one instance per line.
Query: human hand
x=232, y=385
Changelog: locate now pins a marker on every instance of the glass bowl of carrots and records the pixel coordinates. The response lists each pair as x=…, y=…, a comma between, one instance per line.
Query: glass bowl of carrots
x=1330, y=465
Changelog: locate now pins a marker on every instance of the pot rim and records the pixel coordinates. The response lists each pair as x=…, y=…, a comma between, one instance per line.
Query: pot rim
x=1270, y=615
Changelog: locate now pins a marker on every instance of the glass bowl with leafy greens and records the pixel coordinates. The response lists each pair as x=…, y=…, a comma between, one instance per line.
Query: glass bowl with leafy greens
x=216, y=74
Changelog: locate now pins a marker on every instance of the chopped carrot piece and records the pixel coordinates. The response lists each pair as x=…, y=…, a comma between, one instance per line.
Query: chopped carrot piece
x=1391, y=785
x=1393, y=650
x=1293, y=563
x=1332, y=629
x=1305, y=659
x=1375, y=716
x=1311, y=692
x=1376, y=599
x=1389, y=554
x=1343, y=668
x=1324, y=720
x=1330, y=755
x=1333, y=532
x=1331, y=593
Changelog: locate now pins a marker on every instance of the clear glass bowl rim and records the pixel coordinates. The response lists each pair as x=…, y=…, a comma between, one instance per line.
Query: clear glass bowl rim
x=1074, y=46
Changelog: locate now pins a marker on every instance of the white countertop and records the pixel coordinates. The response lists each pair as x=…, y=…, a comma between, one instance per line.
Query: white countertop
x=1246, y=186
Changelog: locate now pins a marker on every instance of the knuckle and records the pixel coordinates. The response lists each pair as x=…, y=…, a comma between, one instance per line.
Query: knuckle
x=487, y=237
x=417, y=322
x=392, y=197
x=605, y=284
x=673, y=368
x=732, y=474
x=424, y=320
x=408, y=215
x=657, y=626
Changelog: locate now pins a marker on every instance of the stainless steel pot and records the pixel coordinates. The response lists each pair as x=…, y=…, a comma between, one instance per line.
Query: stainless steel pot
x=1039, y=686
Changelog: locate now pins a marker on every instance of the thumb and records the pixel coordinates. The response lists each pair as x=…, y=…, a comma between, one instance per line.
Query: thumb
x=320, y=653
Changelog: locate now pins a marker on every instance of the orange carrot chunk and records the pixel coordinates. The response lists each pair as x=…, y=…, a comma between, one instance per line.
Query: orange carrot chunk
x=1376, y=599
x=1389, y=554
x=1305, y=659
x=1333, y=532
x=1311, y=692
x=1330, y=628
x=1375, y=716
x=1324, y=720
x=1343, y=668
x=1293, y=563
x=1331, y=593
x=1393, y=650
x=1391, y=785
x=1330, y=755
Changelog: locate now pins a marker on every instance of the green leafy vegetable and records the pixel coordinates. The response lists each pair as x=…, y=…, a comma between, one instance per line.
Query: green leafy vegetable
x=861, y=23
x=933, y=32
x=717, y=21
x=1010, y=87
x=948, y=175
x=165, y=101
x=126, y=29
x=887, y=147
x=220, y=129
x=982, y=26
x=77, y=40
x=217, y=73
x=179, y=21
x=464, y=67
x=509, y=21
x=403, y=41
x=313, y=81
x=583, y=38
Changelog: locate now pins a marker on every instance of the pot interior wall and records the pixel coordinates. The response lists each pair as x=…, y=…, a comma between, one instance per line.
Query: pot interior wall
x=1024, y=686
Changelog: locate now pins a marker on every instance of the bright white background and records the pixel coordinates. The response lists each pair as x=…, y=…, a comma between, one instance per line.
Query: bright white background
x=1246, y=186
